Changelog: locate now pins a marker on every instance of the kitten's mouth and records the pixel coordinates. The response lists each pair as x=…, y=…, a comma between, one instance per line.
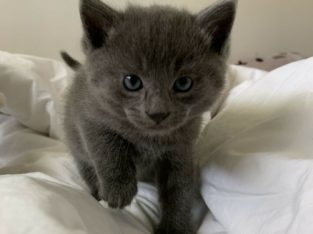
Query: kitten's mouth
x=149, y=127
x=158, y=127
x=153, y=128
x=159, y=130
x=163, y=128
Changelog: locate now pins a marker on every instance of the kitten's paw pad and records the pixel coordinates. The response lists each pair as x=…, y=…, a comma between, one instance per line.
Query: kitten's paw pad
x=121, y=195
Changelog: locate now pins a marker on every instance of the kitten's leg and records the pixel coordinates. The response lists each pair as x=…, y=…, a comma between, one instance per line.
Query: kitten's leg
x=89, y=175
x=117, y=175
x=176, y=189
x=111, y=156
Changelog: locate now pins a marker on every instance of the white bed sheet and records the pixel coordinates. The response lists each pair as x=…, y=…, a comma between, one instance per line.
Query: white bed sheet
x=256, y=157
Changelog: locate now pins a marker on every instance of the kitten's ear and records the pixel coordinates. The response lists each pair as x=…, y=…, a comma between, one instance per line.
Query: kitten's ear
x=216, y=22
x=98, y=20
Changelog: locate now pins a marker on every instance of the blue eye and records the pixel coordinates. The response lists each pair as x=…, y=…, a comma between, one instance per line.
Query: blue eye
x=183, y=84
x=132, y=83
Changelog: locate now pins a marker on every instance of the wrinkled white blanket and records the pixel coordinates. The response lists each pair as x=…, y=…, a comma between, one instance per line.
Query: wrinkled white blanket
x=256, y=156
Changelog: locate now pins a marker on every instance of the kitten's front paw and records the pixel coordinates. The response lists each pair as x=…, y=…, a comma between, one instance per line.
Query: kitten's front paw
x=119, y=195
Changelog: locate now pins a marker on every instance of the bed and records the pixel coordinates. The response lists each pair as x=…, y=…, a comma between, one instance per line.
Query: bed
x=255, y=154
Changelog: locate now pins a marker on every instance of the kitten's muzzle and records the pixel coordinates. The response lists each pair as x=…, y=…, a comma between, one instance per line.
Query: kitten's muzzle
x=158, y=117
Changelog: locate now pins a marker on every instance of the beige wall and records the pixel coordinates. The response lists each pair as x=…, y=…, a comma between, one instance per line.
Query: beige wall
x=263, y=27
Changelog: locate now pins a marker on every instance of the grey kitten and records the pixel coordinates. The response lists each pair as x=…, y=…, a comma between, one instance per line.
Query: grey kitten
x=134, y=109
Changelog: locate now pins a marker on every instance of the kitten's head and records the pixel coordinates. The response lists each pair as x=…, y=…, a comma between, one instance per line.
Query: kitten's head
x=156, y=67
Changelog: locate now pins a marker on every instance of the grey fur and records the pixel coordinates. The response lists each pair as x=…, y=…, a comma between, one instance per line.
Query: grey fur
x=114, y=141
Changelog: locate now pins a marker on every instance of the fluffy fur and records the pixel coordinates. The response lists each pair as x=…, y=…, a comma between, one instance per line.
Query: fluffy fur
x=109, y=129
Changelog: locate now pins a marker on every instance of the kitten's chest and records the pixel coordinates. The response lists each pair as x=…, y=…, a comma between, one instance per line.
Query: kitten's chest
x=148, y=154
x=151, y=150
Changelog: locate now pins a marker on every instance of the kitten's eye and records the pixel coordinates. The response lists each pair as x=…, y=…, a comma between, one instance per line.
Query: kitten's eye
x=183, y=84
x=132, y=83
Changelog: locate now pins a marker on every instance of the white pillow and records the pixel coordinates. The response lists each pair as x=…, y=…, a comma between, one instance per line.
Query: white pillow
x=31, y=89
x=257, y=155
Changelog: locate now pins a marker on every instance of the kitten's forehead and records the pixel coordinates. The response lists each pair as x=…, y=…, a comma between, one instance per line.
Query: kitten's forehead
x=159, y=34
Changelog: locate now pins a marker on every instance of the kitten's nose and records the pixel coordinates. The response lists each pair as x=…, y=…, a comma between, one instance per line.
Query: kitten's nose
x=158, y=117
